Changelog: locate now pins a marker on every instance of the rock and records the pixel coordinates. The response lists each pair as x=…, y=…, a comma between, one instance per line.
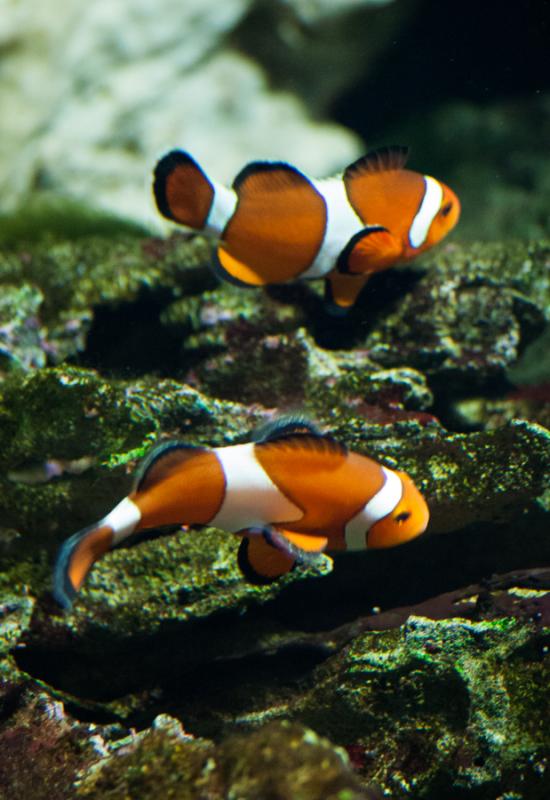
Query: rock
x=298, y=41
x=166, y=761
x=440, y=707
x=21, y=344
x=466, y=322
x=528, y=402
x=50, y=744
x=166, y=351
x=59, y=284
x=107, y=90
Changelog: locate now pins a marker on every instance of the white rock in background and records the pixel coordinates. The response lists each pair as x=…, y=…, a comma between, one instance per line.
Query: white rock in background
x=313, y=11
x=92, y=93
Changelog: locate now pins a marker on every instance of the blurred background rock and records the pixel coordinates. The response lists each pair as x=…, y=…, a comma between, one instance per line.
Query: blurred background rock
x=92, y=93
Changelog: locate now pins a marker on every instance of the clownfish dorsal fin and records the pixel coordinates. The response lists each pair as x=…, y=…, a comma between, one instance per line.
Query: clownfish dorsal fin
x=270, y=176
x=383, y=159
x=283, y=427
x=182, y=191
x=161, y=461
x=372, y=249
x=307, y=442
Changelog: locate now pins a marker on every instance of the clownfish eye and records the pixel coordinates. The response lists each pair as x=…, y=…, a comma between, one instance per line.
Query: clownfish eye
x=446, y=209
x=402, y=517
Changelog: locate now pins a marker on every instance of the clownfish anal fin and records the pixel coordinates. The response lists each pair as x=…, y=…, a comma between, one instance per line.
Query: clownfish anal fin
x=182, y=191
x=341, y=292
x=383, y=159
x=262, y=559
x=235, y=271
x=372, y=249
x=283, y=427
x=161, y=461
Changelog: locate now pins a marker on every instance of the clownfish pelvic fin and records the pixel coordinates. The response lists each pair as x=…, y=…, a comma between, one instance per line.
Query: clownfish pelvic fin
x=261, y=560
x=265, y=554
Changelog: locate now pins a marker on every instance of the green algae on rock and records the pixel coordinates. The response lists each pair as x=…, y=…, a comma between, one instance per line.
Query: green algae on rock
x=468, y=319
x=436, y=707
x=282, y=760
x=70, y=278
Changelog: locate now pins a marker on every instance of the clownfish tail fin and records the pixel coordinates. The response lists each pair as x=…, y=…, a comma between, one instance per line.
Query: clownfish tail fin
x=80, y=552
x=75, y=559
x=183, y=193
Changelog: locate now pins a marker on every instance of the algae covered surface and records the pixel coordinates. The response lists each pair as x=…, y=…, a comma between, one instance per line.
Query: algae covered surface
x=171, y=671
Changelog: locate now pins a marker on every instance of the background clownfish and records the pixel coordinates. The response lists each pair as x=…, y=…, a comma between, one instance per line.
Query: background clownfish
x=291, y=492
x=276, y=224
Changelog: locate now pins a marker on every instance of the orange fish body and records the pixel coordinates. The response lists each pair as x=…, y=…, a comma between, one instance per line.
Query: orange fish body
x=276, y=225
x=293, y=492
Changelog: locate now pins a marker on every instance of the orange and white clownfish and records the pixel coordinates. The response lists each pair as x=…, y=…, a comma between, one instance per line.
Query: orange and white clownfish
x=291, y=492
x=276, y=225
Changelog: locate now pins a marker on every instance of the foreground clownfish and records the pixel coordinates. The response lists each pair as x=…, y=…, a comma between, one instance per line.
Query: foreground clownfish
x=292, y=492
x=277, y=225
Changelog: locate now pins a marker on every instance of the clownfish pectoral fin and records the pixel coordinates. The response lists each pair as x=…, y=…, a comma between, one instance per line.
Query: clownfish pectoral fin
x=76, y=558
x=341, y=292
x=263, y=558
x=284, y=427
x=182, y=191
x=372, y=249
x=384, y=159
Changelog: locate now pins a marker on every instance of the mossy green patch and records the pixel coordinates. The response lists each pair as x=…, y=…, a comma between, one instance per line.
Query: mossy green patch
x=49, y=216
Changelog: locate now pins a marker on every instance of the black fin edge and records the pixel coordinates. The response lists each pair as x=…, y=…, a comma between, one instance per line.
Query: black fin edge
x=283, y=427
x=341, y=264
x=381, y=159
x=155, y=454
x=63, y=591
x=256, y=167
x=306, y=438
x=163, y=169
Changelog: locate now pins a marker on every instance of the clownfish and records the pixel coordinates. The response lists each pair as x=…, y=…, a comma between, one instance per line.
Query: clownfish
x=290, y=493
x=275, y=224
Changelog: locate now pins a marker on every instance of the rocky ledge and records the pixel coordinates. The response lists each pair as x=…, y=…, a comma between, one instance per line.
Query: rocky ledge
x=414, y=672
